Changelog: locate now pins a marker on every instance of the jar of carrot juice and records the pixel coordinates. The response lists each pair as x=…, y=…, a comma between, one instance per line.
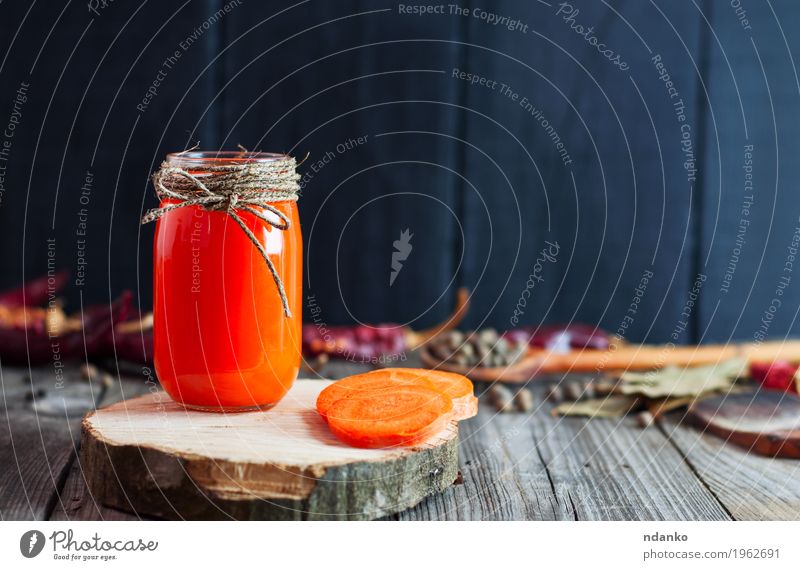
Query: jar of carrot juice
x=227, y=279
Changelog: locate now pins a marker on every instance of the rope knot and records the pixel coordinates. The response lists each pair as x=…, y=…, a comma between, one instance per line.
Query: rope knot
x=233, y=188
x=232, y=200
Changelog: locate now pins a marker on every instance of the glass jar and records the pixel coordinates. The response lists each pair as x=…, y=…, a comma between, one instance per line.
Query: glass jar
x=221, y=339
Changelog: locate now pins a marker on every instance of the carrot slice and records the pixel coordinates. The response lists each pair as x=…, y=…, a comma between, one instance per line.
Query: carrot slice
x=362, y=385
x=458, y=387
x=405, y=415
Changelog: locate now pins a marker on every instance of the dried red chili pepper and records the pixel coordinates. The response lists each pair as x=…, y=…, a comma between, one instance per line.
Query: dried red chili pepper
x=367, y=343
x=137, y=348
x=779, y=375
x=109, y=332
x=34, y=292
x=99, y=322
x=575, y=335
x=85, y=335
x=133, y=340
x=360, y=342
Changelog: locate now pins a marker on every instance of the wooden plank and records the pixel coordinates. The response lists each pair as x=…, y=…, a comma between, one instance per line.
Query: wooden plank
x=628, y=209
x=613, y=470
x=519, y=466
x=89, y=116
x=38, y=389
x=600, y=469
x=74, y=502
x=39, y=430
x=747, y=229
x=35, y=452
x=749, y=486
x=503, y=476
x=15, y=387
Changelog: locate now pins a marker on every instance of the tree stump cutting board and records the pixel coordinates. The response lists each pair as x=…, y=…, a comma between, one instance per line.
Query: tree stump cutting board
x=765, y=421
x=151, y=456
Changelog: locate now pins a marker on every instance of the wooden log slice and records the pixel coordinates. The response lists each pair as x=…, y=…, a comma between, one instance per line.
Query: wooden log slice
x=765, y=421
x=151, y=456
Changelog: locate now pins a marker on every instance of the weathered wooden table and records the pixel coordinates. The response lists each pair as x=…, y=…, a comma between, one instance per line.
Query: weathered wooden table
x=515, y=466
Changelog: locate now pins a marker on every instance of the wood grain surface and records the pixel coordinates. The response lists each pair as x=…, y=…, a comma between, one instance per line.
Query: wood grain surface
x=514, y=466
x=748, y=486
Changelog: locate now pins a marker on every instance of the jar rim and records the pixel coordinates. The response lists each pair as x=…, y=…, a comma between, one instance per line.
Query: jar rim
x=197, y=158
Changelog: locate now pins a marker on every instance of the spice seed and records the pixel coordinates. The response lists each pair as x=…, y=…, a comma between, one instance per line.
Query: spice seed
x=454, y=340
x=524, y=400
x=106, y=379
x=518, y=352
x=573, y=391
x=488, y=336
x=555, y=394
x=644, y=419
x=441, y=352
x=501, y=398
x=460, y=360
x=89, y=372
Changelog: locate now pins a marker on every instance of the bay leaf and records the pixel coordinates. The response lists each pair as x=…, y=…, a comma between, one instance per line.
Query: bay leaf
x=676, y=382
x=661, y=406
x=607, y=407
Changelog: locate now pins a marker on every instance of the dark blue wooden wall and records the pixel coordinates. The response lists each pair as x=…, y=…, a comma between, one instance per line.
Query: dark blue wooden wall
x=577, y=150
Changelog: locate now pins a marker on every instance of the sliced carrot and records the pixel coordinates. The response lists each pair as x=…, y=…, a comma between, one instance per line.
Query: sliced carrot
x=361, y=385
x=458, y=387
x=405, y=415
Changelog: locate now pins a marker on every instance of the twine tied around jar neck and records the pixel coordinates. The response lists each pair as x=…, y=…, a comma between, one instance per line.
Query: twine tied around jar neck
x=232, y=188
